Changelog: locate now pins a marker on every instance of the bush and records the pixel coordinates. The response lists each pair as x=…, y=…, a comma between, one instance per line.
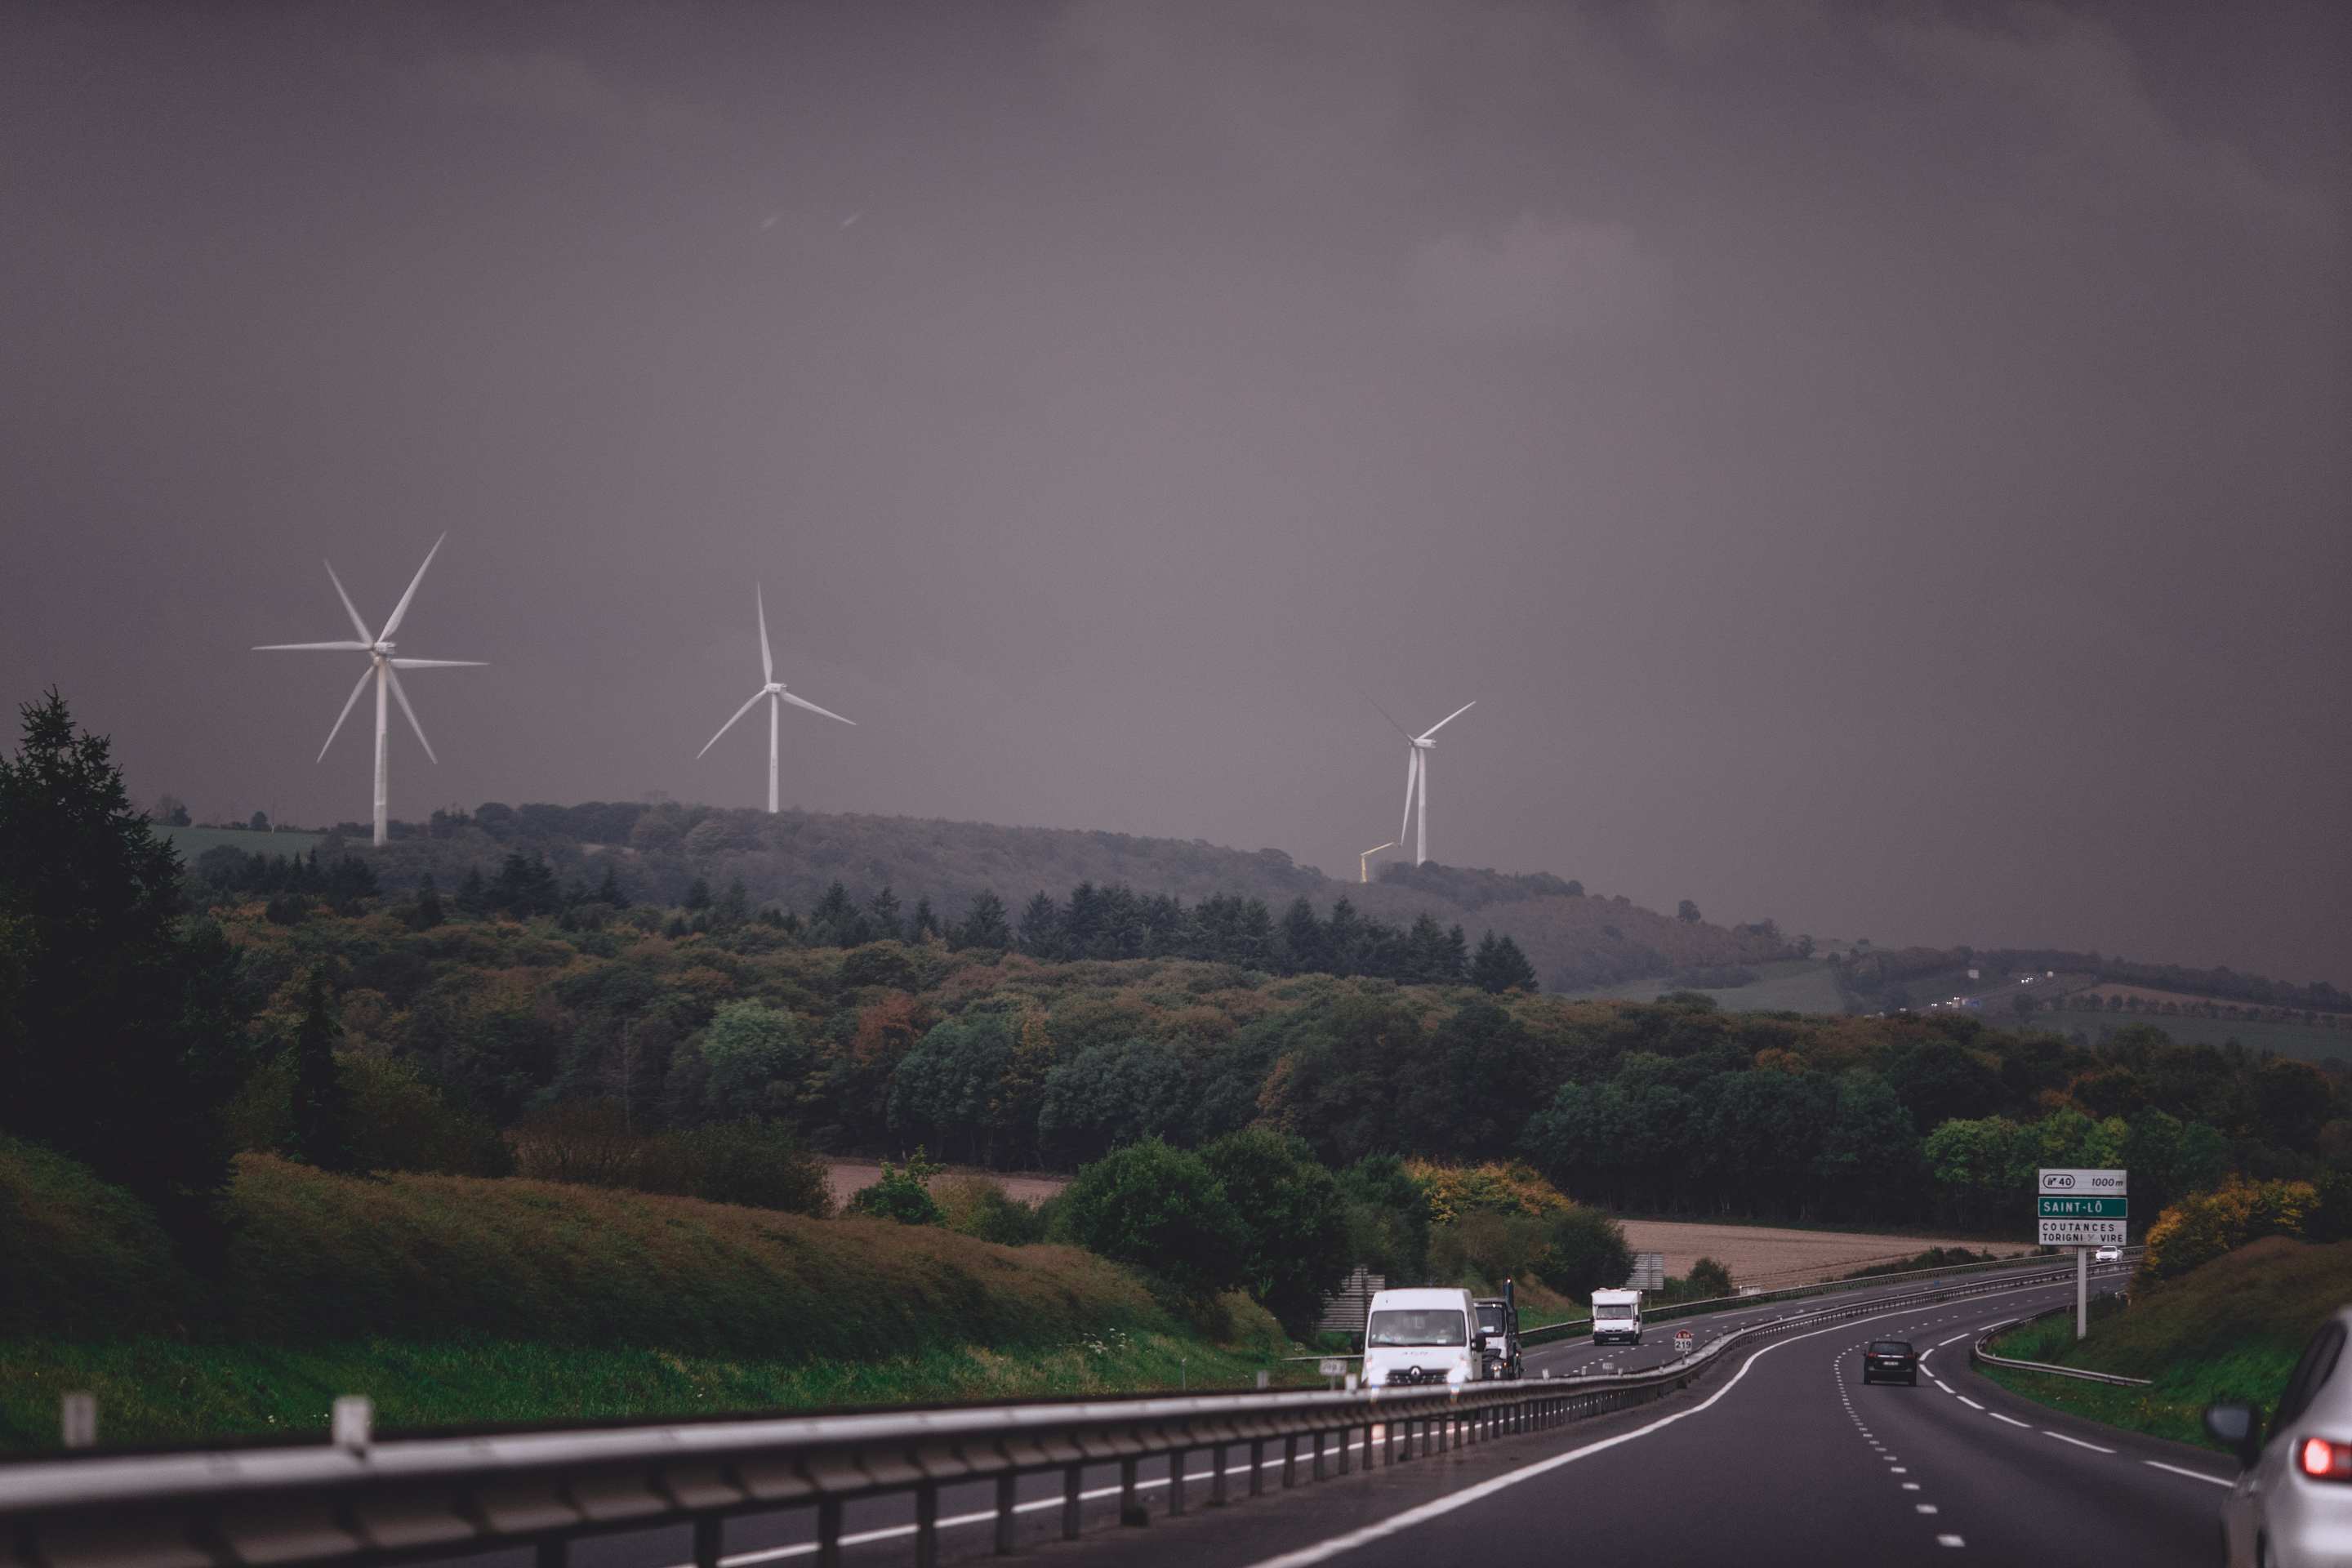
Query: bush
x=2204, y=1226
x=1709, y=1280
x=585, y=1141
x=977, y=1207
x=1510, y=1187
x=1160, y=1210
x=903, y=1195
x=760, y=1165
x=399, y=1121
x=1483, y=1249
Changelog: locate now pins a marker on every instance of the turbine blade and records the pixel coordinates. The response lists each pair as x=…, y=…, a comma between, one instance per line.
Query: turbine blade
x=729, y=724
x=1385, y=714
x=303, y=647
x=1412, y=777
x=401, y=610
x=1378, y=848
x=346, y=713
x=437, y=663
x=350, y=609
x=413, y=724
x=1449, y=719
x=767, y=659
x=799, y=702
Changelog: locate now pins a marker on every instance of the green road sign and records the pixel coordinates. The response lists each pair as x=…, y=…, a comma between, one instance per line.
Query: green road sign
x=2082, y=1208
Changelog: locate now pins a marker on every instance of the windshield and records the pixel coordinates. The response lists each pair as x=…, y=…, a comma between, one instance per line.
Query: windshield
x=1490, y=1318
x=1891, y=1347
x=1613, y=1310
x=1419, y=1326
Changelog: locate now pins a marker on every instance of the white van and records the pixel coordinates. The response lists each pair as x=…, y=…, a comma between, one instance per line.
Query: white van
x=1617, y=1315
x=1422, y=1336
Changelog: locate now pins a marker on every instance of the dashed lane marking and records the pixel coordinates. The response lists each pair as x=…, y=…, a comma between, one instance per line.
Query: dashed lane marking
x=2010, y=1419
x=2192, y=1474
x=1949, y=1540
x=1967, y=1401
x=2076, y=1441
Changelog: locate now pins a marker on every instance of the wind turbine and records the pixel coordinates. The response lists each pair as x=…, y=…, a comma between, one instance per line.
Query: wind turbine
x=777, y=697
x=1416, y=775
x=382, y=668
x=1364, y=861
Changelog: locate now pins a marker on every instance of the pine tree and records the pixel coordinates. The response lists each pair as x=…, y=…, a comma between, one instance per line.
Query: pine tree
x=1484, y=972
x=1515, y=972
x=985, y=925
x=1041, y=927
x=322, y=1112
x=697, y=894
x=427, y=912
x=733, y=907
x=1304, y=944
x=473, y=895
x=884, y=915
x=608, y=891
x=1343, y=937
x=1457, y=961
x=923, y=924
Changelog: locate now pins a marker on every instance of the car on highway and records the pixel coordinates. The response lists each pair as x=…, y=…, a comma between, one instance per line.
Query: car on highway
x=2108, y=1255
x=2293, y=1502
x=1422, y=1336
x=1617, y=1315
x=1499, y=1320
x=1890, y=1360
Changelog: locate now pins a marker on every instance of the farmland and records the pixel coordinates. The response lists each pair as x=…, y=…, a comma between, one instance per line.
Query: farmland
x=2301, y=1042
x=1787, y=985
x=192, y=842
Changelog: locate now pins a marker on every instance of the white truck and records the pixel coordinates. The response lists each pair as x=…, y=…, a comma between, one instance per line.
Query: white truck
x=1422, y=1336
x=1617, y=1317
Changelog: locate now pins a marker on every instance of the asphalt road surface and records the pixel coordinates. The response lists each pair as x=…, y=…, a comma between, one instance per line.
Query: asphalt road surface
x=1780, y=1455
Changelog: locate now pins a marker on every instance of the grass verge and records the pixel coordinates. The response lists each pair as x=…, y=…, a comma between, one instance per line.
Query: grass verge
x=2228, y=1329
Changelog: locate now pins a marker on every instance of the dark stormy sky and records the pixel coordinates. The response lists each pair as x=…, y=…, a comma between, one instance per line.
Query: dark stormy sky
x=1883, y=467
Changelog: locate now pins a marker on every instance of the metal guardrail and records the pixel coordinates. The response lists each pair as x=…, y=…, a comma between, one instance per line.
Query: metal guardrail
x=1700, y=1308
x=395, y=1501
x=1979, y=1357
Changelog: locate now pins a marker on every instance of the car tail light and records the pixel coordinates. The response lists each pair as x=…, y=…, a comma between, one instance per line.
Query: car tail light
x=2325, y=1461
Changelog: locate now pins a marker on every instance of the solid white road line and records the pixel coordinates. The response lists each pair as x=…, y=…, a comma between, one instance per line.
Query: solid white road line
x=1955, y=1338
x=2076, y=1441
x=1940, y=1382
x=1324, y=1551
x=2192, y=1474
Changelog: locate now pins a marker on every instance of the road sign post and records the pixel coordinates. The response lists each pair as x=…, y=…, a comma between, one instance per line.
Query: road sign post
x=2080, y=1208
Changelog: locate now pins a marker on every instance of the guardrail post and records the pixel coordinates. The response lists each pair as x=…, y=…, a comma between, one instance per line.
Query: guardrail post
x=1071, y=1475
x=706, y=1541
x=828, y=1532
x=78, y=1420
x=1258, y=1467
x=1130, y=1511
x=1176, y=1482
x=1217, y=1476
x=1290, y=1461
x=1005, y=1516
x=1317, y=1471
x=926, y=1525
x=1347, y=1441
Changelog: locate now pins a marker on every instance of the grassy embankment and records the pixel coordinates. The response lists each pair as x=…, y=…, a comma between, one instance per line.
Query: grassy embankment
x=456, y=1302
x=2230, y=1330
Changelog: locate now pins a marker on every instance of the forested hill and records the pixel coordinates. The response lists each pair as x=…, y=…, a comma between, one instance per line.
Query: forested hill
x=658, y=852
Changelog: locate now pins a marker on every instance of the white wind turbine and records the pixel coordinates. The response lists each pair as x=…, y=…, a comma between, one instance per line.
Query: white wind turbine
x=1364, y=861
x=382, y=668
x=1416, y=775
x=777, y=697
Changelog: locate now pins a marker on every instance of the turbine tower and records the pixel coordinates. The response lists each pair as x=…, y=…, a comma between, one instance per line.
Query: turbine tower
x=382, y=668
x=1416, y=777
x=773, y=690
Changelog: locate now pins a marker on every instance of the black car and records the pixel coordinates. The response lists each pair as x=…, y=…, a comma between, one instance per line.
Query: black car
x=1890, y=1360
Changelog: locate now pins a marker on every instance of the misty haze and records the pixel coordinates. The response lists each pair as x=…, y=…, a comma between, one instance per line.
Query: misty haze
x=752, y=708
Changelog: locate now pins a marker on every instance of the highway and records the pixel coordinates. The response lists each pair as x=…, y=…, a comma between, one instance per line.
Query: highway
x=1779, y=1456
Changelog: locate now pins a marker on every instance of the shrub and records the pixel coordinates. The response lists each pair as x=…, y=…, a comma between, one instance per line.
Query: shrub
x=760, y=1165
x=586, y=1142
x=1159, y=1209
x=1483, y=1249
x=1512, y=1188
x=1584, y=1251
x=2204, y=1226
x=399, y=1121
x=903, y=1195
x=1709, y=1280
x=977, y=1207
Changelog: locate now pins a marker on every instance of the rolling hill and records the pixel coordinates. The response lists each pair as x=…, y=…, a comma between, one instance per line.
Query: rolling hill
x=657, y=852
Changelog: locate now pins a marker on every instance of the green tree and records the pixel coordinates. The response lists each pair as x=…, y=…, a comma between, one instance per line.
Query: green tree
x=984, y=924
x=322, y=1131
x=1159, y=1209
x=697, y=894
x=903, y=1194
x=1388, y=1219
x=1499, y=965
x=117, y=1038
x=1296, y=1222
x=946, y=1093
x=608, y=891
x=1108, y=1095
x=758, y=1054
x=1584, y=1251
x=1687, y=913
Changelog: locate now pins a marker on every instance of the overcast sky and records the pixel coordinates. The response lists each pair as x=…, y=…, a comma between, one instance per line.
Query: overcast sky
x=1883, y=467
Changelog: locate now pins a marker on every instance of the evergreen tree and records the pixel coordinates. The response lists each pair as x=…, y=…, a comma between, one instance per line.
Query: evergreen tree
x=733, y=907
x=1423, y=960
x=322, y=1129
x=473, y=896
x=697, y=894
x=1456, y=962
x=426, y=912
x=985, y=925
x=1343, y=938
x=1305, y=946
x=882, y=913
x=117, y=1038
x=608, y=891
x=1512, y=966
x=1041, y=927
x=922, y=925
